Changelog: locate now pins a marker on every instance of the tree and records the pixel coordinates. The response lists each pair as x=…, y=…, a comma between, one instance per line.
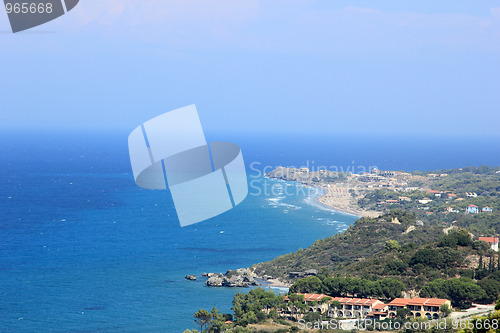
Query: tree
x=403, y=313
x=310, y=284
x=323, y=273
x=445, y=310
x=392, y=246
x=296, y=303
x=202, y=318
x=461, y=291
x=218, y=322
x=312, y=317
x=491, y=287
x=497, y=304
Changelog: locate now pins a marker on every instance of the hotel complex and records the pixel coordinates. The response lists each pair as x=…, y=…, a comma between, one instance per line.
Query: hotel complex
x=367, y=308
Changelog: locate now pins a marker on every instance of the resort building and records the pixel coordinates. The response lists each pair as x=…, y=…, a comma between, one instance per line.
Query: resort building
x=366, y=308
x=354, y=307
x=493, y=241
x=472, y=209
x=379, y=312
x=314, y=303
x=419, y=307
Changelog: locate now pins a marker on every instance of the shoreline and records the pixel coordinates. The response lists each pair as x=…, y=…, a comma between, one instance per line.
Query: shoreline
x=339, y=200
x=274, y=283
x=336, y=199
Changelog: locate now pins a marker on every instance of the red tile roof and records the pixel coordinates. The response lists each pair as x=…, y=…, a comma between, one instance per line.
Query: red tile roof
x=472, y=206
x=379, y=306
x=399, y=302
x=312, y=297
x=489, y=239
x=357, y=301
x=418, y=301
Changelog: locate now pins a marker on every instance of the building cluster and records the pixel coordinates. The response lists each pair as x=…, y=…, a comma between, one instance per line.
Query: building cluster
x=473, y=209
x=362, y=308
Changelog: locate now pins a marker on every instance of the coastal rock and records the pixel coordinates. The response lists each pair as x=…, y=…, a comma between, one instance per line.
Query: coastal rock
x=204, y=274
x=214, y=281
x=241, y=277
x=190, y=277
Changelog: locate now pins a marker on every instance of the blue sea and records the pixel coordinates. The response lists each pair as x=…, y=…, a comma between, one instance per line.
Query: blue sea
x=83, y=249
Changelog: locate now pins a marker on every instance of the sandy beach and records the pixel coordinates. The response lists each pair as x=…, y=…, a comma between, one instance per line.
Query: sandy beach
x=276, y=283
x=339, y=198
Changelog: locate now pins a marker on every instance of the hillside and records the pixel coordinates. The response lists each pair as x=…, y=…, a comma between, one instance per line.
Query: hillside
x=362, y=240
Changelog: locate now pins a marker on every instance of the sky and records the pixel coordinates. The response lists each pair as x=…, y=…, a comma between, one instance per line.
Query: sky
x=400, y=67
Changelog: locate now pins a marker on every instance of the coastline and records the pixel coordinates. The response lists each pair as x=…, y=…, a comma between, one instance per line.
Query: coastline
x=335, y=198
x=340, y=200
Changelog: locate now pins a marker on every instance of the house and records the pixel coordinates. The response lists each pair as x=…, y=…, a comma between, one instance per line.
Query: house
x=391, y=201
x=472, y=209
x=493, y=241
x=293, y=275
x=424, y=201
x=436, y=193
x=419, y=307
x=451, y=210
x=487, y=209
x=306, y=170
x=404, y=199
x=471, y=194
x=311, y=272
x=452, y=195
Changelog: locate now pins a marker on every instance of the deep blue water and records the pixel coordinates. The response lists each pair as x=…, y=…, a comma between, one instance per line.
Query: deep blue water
x=82, y=249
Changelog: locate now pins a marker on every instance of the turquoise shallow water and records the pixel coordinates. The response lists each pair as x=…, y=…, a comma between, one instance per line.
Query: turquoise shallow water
x=82, y=249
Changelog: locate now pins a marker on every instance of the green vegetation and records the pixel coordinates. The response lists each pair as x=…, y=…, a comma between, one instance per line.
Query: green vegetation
x=361, y=240
x=407, y=250
x=213, y=321
x=343, y=287
x=439, y=268
x=247, y=307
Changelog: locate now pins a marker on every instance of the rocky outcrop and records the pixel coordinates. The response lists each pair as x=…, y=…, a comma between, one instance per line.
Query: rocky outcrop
x=190, y=277
x=214, y=281
x=241, y=277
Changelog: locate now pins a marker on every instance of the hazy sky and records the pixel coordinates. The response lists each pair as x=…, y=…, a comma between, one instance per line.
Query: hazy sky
x=429, y=67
